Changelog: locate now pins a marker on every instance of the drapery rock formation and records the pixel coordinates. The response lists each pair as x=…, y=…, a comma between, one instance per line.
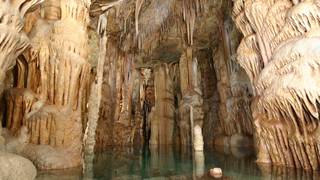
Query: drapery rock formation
x=13, y=41
x=280, y=52
x=51, y=87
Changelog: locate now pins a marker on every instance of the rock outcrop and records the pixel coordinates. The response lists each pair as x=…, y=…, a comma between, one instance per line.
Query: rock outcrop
x=280, y=52
x=52, y=84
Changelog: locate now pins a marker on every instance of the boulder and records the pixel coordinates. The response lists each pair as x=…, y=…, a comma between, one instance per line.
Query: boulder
x=14, y=167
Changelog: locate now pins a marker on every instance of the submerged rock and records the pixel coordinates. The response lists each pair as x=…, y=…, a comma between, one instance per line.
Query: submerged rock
x=14, y=167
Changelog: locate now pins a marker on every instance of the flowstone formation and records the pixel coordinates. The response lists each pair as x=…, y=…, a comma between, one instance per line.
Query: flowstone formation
x=280, y=52
x=13, y=41
x=51, y=87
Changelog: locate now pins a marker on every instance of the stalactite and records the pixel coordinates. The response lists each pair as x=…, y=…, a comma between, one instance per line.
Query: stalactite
x=120, y=121
x=12, y=40
x=58, y=74
x=139, y=4
x=285, y=108
x=109, y=90
x=190, y=10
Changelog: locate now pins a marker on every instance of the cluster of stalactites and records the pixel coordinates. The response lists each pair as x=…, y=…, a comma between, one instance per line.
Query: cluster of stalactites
x=190, y=10
x=70, y=33
x=260, y=22
x=76, y=9
x=11, y=24
x=52, y=9
x=12, y=41
x=153, y=22
x=280, y=53
x=13, y=11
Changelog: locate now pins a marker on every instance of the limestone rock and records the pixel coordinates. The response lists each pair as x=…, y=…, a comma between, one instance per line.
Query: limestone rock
x=280, y=54
x=14, y=41
x=198, y=139
x=15, y=167
x=47, y=158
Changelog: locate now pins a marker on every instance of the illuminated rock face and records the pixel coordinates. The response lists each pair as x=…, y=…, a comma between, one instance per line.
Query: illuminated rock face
x=280, y=53
x=51, y=88
x=12, y=40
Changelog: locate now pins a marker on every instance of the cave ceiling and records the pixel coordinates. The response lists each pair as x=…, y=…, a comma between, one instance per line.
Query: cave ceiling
x=157, y=30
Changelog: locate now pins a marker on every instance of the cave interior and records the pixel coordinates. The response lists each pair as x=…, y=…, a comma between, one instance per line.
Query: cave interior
x=82, y=77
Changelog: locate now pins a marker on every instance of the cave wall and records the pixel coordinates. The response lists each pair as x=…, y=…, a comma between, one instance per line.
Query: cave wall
x=235, y=120
x=13, y=42
x=51, y=85
x=279, y=52
x=211, y=98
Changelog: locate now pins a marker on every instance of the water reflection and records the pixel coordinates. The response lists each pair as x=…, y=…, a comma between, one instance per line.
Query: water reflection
x=169, y=163
x=69, y=174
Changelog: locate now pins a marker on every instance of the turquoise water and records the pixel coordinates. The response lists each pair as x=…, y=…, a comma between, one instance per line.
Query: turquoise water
x=172, y=164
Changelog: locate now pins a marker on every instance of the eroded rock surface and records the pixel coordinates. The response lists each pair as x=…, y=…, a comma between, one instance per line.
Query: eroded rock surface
x=50, y=94
x=280, y=53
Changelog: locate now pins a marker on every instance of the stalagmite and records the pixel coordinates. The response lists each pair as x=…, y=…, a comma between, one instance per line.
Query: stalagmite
x=95, y=100
x=190, y=108
x=198, y=138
